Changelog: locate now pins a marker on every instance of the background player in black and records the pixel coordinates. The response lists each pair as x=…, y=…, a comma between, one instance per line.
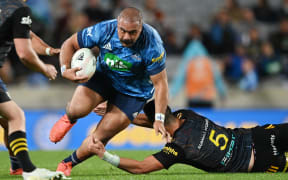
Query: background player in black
x=201, y=143
x=15, y=23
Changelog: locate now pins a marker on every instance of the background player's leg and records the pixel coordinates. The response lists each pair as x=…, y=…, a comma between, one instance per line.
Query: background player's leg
x=83, y=102
x=17, y=136
x=15, y=165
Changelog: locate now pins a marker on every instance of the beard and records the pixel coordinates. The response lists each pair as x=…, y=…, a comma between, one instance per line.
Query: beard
x=127, y=42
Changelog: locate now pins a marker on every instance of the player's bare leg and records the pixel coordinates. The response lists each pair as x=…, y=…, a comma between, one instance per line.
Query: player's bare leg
x=113, y=122
x=140, y=120
x=82, y=103
x=15, y=118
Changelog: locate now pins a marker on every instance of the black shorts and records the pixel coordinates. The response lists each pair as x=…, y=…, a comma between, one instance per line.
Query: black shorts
x=270, y=144
x=4, y=97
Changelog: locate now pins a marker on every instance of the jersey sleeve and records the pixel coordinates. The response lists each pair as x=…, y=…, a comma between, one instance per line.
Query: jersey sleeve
x=170, y=154
x=156, y=59
x=91, y=36
x=22, y=23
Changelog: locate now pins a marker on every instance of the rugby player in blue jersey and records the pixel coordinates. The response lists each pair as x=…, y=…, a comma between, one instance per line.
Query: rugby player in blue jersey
x=130, y=68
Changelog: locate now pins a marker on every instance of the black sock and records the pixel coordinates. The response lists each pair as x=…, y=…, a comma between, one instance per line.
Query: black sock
x=18, y=144
x=14, y=163
x=73, y=158
x=72, y=121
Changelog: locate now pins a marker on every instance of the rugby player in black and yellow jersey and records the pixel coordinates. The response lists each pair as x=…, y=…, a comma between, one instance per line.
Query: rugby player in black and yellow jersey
x=15, y=30
x=199, y=142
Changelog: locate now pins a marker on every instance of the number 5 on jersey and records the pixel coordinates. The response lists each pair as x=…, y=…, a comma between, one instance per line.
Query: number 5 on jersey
x=215, y=140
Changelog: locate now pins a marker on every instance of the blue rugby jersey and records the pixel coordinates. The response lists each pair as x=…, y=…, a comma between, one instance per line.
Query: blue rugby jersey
x=128, y=68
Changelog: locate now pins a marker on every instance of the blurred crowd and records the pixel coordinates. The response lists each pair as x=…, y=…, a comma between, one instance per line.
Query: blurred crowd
x=249, y=44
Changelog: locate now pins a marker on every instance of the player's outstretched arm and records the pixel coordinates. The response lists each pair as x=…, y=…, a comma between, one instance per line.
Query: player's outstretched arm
x=161, y=101
x=41, y=47
x=29, y=57
x=67, y=50
x=149, y=164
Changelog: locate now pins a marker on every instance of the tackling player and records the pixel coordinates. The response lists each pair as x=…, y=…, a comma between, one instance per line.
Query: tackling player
x=199, y=142
x=130, y=67
x=15, y=23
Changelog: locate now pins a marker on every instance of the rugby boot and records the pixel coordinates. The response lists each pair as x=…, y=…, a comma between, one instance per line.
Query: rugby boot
x=66, y=168
x=43, y=174
x=60, y=129
x=18, y=171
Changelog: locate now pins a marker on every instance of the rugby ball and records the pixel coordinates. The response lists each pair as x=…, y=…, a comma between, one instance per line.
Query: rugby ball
x=85, y=59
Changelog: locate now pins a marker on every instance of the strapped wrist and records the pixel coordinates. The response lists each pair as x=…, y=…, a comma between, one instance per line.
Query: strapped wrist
x=159, y=117
x=63, y=69
x=47, y=51
x=111, y=158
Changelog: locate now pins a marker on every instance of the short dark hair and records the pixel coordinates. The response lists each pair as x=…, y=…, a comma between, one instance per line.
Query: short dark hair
x=131, y=14
x=149, y=110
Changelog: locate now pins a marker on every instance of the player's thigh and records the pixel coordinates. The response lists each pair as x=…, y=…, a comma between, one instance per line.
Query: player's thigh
x=83, y=101
x=113, y=122
x=11, y=111
x=88, y=95
x=122, y=109
x=6, y=105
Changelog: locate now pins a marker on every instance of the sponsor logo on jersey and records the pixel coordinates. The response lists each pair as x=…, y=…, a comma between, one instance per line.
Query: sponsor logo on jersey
x=270, y=127
x=229, y=153
x=117, y=64
x=169, y=150
x=158, y=59
x=89, y=31
x=203, y=135
x=26, y=20
x=107, y=46
x=272, y=142
x=136, y=57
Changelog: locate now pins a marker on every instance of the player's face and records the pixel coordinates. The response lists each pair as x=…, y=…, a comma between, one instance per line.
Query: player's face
x=128, y=32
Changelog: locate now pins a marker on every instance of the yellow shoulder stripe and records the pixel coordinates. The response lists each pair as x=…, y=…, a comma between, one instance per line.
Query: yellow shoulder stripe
x=158, y=58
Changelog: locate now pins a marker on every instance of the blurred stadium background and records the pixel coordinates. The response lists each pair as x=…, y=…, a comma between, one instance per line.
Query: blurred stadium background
x=227, y=59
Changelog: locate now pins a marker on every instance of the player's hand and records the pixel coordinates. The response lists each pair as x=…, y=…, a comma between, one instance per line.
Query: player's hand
x=159, y=128
x=54, y=51
x=70, y=74
x=96, y=147
x=101, y=109
x=50, y=71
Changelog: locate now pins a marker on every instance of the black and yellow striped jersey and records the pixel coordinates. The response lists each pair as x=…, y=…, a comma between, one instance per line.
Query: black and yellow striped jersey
x=205, y=145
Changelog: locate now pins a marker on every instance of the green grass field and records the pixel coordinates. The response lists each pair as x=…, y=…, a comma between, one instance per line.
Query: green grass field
x=94, y=169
